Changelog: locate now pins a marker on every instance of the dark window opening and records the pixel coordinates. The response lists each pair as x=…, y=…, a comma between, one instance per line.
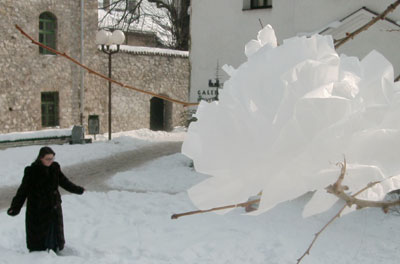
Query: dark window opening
x=47, y=32
x=50, y=109
x=260, y=4
x=156, y=114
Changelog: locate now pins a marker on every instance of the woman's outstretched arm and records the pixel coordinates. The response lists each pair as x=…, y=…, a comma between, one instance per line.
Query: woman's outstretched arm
x=22, y=193
x=67, y=184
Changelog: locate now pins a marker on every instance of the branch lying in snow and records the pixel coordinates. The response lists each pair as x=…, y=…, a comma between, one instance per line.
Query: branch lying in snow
x=349, y=36
x=63, y=54
x=338, y=190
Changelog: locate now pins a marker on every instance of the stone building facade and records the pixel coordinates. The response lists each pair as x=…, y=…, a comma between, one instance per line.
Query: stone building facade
x=27, y=76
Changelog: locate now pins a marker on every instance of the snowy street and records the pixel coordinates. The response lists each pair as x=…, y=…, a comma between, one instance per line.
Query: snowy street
x=92, y=174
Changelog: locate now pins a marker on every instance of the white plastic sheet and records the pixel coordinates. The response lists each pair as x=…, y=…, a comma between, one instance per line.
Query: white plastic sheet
x=287, y=115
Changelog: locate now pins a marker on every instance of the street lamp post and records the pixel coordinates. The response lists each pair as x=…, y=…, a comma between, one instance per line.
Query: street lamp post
x=106, y=39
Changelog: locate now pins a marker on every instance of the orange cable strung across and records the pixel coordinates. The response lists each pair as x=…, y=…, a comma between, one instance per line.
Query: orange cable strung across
x=103, y=76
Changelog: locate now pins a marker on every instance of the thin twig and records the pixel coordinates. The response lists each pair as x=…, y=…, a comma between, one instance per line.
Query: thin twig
x=103, y=76
x=392, y=30
x=349, y=36
x=337, y=215
x=338, y=187
x=307, y=252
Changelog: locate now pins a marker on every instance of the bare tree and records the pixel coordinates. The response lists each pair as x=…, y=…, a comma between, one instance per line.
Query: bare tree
x=168, y=18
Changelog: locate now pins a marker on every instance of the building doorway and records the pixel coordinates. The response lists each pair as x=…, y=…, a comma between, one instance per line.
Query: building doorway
x=160, y=114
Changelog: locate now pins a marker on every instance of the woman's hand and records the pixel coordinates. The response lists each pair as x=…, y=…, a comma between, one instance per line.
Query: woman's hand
x=12, y=212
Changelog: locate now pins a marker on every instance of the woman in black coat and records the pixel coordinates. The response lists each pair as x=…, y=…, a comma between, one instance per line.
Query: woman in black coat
x=44, y=220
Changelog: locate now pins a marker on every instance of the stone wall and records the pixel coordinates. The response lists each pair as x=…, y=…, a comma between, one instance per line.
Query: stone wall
x=161, y=74
x=24, y=73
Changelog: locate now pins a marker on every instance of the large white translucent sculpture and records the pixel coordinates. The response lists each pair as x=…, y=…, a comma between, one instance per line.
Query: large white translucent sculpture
x=287, y=115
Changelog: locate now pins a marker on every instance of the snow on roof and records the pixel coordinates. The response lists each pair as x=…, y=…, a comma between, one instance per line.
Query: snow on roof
x=46, y=133
x=151, y=51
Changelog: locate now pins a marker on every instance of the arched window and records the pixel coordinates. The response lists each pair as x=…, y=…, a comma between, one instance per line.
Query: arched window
x=47, y=32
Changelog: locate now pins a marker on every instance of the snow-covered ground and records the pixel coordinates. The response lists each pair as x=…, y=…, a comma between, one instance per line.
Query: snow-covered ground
x=135, y=227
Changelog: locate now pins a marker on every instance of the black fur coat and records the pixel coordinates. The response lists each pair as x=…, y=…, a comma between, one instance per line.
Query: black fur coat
x=40, y=187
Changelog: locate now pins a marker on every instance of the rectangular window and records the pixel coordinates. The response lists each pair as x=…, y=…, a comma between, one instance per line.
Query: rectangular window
x=260, y=4
x=50, y=109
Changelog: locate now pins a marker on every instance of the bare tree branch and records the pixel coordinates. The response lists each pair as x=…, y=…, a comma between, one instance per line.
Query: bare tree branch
x=172, y=22
x=121, y=12
x=109, y=8
x=349, y=36
x=176, y=216
x=162, y=4
x=338, y=189
x=307, y=252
